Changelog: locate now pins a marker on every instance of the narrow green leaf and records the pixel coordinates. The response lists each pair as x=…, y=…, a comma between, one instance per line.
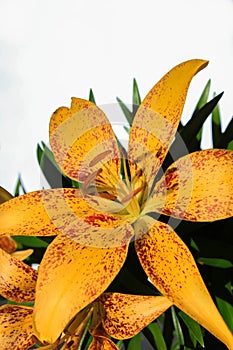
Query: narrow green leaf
x=120, y=344
x=194, y=245
x=126, y=129
x=39, y=153
x=226, y=310
x=177, y=327
x=92, y=97
x=127, y=113
x=158, y=336
x=136, y=94
x=48, y=153
x=194, y=329
x=230, y=145
x=227, y=136
x=204, y=96
x=215, y=262
x=85, y=333
x=51, y=170
x=216, y=126
x=135, y=342
x=19, y=187
x=33, y=242
x=190, y=130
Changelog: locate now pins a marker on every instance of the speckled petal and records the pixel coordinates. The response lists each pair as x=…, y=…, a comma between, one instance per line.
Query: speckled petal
x=158, y=116
x=171, y=268
x=66, y=211
x=70, y=277
x=22, y=254
x=17, y=280
x=15, y=327
x=26, y=215
x=82, y=140
x=197, y=187
x=126, y=315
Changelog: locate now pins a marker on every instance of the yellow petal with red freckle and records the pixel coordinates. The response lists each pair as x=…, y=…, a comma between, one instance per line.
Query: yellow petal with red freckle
x=197, y=187
x=126, y=315
x=22, y=254
x=17, y=280
x=71, y=276
x=158, y=116
x=8, y=244
x=15, y=327
x=50, y=212
x=26, y=215
x=171, y=268
x=4, y=195
x=82, y=140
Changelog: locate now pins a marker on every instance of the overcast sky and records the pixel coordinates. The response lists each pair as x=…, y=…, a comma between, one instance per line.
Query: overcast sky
x=51, y=50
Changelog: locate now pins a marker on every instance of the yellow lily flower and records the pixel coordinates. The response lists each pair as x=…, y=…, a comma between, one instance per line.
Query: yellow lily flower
x=95, y=224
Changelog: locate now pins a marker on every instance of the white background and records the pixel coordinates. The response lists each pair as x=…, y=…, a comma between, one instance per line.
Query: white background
x=51, y=50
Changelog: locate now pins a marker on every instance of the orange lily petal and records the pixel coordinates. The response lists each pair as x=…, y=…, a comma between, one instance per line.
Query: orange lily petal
x=172, y=269
x=49, y=212
x=26, y=215
x=82, y=140
x=15, y=327
x=22, y=254
x=7, y=244
x=158, y=116
x=17, y=280
x=126, y=315
x=197, y=187
x=71, y=276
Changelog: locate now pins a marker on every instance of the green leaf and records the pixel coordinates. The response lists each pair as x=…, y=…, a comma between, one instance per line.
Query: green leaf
x=49, y=154
x=216, y=126
x=19, y=187
x=50, y=168
x=127, y=113
x=92, y=97
x=226, y=310
x=204, y=96
x=178, y=329
x=194, y=329
x=230, y=145
x=85, y=333
x=191, y=129
x=126, y=129
x=227, y=136
x=158, y=336
x=215, y=262
x=32, y=242
x=136, y=94
x=135, y=342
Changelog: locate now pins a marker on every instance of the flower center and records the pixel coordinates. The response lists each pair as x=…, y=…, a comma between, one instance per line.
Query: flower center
x=126, y=187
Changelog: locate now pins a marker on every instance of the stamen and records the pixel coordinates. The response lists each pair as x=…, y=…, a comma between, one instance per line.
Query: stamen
x=132, y=194
x=89, y=179
x=99, y=157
